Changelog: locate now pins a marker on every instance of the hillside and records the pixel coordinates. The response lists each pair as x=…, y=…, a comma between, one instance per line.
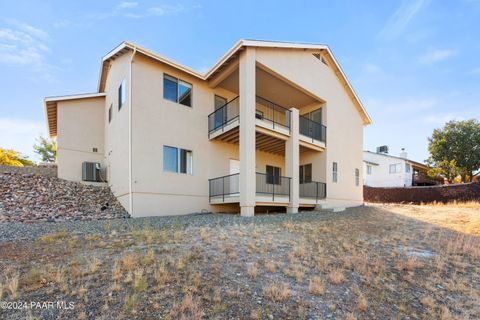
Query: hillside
x=33, y=197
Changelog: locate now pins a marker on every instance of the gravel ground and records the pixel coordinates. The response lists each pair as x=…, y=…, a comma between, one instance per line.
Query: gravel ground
x=371, y=262
x=25, y=232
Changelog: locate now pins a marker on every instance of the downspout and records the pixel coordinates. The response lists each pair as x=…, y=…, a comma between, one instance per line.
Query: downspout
x=130, y=132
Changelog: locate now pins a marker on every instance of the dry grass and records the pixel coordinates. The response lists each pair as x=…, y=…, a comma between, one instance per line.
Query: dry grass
x=189, y=308
x=53, y=237
x=362, y=303
x=277, y=292
x=94, y=265
x=454, y=204
x=252, y=270
x=271, y=266
x=11, y=284
x=316, y=286
x=130, y=261
x=139, y=282
x=336, y=276
x=393, y=253
x=116, y=270
x=161, y=275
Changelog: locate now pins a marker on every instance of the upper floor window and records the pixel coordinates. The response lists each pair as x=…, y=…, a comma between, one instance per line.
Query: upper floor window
x=177, y=160
x=357, y=177
x=177, y=90
x=407, y=167
x=395, y=168
x=305, y=173
x=273, y=175
x=335, y=172
x=110, y=115
x=369, y=169
x=122, y=95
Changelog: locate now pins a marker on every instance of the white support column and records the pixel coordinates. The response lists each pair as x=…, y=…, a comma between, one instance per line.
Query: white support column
x=292, y=160
x=247, y=131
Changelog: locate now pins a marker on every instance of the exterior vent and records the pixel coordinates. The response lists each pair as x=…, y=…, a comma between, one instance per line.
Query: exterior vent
x=91, y=171
x=382, y=149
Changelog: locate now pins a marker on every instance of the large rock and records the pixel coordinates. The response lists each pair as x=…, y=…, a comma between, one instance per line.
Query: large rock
x=27, y=197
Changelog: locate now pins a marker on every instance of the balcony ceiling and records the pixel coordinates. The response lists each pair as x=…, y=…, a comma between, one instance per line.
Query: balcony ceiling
x=271, y=88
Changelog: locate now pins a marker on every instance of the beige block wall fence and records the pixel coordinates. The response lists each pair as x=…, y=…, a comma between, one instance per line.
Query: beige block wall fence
x=156, y=122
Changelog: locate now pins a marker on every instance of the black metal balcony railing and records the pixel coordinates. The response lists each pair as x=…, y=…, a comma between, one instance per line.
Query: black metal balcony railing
x=271, y=112
x=265, y=185
x=313, y=190
x=224, y=186
x=271, y=185
x=313, y=129
x=223, y=116
x=265, y=110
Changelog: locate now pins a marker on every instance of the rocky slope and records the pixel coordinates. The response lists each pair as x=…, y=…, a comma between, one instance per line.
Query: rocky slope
x=30, y=197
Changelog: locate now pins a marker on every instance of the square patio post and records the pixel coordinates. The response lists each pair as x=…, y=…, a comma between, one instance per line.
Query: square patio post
x=247, y=131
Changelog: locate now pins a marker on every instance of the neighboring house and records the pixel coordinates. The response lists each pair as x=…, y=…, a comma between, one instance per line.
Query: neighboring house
x=383, y=170
x=271, y=124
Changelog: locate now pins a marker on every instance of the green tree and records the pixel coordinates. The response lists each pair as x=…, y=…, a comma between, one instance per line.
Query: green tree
x=46, y=148
x=445, y=169
x=13, y=158
x=458, y=141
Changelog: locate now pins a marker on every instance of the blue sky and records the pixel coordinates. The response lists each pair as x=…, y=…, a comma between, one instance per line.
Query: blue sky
x=414, y=63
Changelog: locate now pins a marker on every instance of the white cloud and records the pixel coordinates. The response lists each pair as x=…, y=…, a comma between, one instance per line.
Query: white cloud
x=437, y=55
x=23, y=45
x=127, y=4
x=131, y=9
x=401, y=18
x=20, y=134
x=166, y=10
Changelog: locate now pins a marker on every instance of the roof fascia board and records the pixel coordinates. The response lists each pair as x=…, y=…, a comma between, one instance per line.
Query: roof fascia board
x=74, y=97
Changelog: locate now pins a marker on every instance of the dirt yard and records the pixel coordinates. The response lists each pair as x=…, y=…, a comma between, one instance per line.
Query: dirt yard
x=373, y=262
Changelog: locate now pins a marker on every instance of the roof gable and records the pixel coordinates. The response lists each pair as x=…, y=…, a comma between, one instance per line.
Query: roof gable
x=127, y=46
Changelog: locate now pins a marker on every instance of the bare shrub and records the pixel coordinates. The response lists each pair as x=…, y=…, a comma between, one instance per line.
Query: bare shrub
x=316, y=286
x=189, y=308
x=336, y=276
x=277, y=292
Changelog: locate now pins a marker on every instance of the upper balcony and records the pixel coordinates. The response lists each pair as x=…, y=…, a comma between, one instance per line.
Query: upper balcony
x=275, y=96
x=268, y=116
x=273, y=126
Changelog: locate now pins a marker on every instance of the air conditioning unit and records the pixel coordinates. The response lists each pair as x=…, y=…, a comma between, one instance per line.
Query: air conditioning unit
x=382, y=149
x=91, y=171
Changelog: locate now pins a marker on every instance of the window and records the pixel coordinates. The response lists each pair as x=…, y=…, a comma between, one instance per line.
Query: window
x=335, y=172
x=407, y=167
x=369, y=169
x=94, y=149
x=177, y=90
x=357, y=177
x=121, y=94
x=395, y=168
x=110, y=113
x=305, y=173
x=273, y=175
x=177, y=160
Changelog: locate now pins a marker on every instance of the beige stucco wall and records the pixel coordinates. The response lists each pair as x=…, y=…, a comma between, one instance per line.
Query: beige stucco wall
x=116, y=132
x=158, y=122
x=344, y=124
x=80, y=129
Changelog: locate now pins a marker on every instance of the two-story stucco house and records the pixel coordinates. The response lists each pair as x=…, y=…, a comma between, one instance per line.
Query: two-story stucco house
x=270, y=125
